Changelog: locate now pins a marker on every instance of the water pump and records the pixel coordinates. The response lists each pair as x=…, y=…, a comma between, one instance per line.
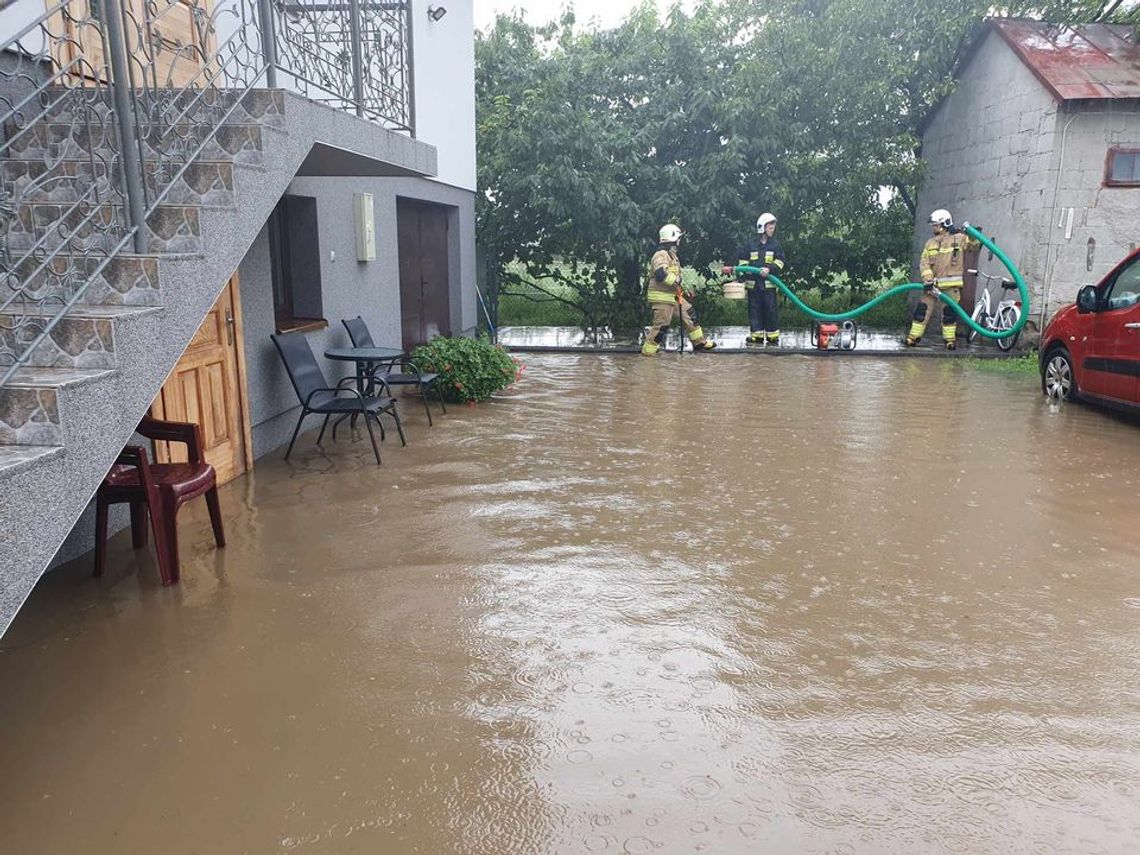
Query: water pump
x=834, y=336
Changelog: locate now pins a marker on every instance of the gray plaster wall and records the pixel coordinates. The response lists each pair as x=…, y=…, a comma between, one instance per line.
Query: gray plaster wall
x=349, y=288
x=989, y=157
x=103, y=416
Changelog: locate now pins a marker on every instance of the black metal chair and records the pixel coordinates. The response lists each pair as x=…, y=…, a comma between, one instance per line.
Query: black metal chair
x=423, y=380
x=317, y=396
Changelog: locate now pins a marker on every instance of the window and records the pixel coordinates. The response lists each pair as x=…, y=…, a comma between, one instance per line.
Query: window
x=295, y=260
x=1123, y=167
x=1124, y=290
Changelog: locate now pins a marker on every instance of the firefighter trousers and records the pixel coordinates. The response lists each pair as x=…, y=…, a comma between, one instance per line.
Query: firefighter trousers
x=663, y=314
x=763, y=313
x=926, y=307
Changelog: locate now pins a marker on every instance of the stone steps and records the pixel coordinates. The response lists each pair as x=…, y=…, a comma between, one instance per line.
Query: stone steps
x=30, y=403
x=53, y=141
x=203, y=182
x=84, y=338
x=78, y=227
x=121, y=280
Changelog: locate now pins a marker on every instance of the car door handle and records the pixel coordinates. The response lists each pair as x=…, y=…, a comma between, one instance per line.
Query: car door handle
x=1132, y=326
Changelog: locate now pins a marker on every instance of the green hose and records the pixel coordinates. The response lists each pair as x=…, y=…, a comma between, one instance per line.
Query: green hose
x=914, y=286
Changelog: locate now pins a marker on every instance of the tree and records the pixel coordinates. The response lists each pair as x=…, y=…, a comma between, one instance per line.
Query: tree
x=590, y=140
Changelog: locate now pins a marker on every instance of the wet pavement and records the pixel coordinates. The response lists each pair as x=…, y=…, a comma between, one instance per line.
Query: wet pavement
x=729, y=338
x=790, y=606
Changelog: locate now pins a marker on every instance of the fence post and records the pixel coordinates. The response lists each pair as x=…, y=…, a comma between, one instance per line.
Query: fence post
x=357, y=71
x=121, y=93
x=268, y=41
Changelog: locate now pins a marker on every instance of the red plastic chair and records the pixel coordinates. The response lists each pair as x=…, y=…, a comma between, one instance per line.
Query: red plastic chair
x=158, y=489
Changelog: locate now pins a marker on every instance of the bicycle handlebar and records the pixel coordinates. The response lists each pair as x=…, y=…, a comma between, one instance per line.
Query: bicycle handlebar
x=1007, y=284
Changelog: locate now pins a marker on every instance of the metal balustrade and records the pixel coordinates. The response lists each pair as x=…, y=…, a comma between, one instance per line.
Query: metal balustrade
x=105, y=105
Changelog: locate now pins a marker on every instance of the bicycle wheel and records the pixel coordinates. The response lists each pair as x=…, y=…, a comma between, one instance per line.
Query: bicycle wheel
x=976, y=317
x=1007, y=319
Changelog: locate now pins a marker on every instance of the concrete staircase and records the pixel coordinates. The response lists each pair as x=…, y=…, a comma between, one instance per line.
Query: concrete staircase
x=67, y=412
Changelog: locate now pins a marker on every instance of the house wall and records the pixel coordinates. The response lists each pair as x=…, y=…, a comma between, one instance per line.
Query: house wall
x=349, y=288
x=1107, y=216
x=444, y=69
x=989, y=154
x=1001, y=153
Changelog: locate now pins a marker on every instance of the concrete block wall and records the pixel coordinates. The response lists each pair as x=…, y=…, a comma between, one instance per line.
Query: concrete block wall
x=1106, y=216
x=1002, y=153
x=989, y=155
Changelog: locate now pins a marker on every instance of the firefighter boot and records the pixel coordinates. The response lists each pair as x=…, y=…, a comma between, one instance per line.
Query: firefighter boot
x=700, y=343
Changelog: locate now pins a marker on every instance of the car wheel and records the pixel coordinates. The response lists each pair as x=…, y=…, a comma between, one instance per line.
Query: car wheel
x=1058, y=381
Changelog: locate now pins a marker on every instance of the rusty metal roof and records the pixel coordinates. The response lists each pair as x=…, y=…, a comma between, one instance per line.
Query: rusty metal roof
x=1089, y=61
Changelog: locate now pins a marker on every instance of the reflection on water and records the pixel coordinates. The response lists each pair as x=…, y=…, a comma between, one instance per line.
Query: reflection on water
x=732, y=606
x=731, y=338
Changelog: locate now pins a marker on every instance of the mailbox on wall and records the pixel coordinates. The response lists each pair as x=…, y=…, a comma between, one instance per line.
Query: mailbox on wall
x=365, y=227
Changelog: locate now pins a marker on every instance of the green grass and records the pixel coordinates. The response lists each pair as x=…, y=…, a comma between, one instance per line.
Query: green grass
x=530, y=307
x=1023, y=364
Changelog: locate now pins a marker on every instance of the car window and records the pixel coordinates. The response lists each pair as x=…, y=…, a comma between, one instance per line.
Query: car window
x=1125, y=289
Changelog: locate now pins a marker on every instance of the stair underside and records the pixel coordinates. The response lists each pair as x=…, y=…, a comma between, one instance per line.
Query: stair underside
x=107, y=360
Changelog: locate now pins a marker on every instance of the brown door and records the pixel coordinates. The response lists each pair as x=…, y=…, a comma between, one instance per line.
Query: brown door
x=425, y=299
x=206, y=388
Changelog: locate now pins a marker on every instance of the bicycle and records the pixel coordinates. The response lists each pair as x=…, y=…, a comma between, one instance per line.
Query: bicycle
x=1007, y=314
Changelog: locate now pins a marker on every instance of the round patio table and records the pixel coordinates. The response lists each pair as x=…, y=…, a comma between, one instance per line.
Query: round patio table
x=366, y=358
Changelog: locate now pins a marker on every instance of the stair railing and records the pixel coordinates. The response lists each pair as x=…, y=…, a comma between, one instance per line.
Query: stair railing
x=106, y=104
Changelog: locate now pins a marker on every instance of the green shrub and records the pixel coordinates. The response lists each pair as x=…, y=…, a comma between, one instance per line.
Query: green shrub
x=470, y=369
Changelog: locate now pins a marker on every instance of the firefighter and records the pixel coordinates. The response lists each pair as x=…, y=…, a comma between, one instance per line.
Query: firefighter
x=943, y=262
x=766, y=253
x=663, y=287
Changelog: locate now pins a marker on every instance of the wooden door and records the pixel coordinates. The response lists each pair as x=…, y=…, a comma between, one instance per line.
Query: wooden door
x=425, y=287
x=207, y=388
x=168, y=41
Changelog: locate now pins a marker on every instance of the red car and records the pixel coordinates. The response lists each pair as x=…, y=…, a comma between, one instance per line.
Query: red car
x=1092, y=349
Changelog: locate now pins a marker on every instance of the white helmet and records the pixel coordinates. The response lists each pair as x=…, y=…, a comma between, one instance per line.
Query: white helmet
x=942, y=218
x=763, y=220
x=670, y=233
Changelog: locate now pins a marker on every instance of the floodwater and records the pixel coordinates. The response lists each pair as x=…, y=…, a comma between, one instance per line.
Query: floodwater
x=634, y=606
x=732, y=338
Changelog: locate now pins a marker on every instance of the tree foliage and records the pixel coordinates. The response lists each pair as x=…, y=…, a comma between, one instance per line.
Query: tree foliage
x=590, y=139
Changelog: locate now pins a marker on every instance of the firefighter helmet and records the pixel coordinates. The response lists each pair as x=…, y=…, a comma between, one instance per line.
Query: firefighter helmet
x=763, y=220
x=942, y=217
x=670, y=233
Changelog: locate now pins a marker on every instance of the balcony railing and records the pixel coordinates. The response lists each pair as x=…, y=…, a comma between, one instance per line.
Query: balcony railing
x=105, y=104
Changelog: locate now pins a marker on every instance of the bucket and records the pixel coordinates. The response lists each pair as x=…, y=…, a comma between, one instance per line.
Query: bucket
x=734, y=291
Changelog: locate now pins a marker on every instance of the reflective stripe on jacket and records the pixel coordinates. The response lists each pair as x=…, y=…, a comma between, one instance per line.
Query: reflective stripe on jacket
x=762, y=253
x=664, y=291
x=944, y=259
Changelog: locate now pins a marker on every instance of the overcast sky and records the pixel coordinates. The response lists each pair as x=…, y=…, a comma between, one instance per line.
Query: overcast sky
x=608, y=13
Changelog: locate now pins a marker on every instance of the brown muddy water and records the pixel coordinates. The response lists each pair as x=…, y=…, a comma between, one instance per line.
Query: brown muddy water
x=730, y=605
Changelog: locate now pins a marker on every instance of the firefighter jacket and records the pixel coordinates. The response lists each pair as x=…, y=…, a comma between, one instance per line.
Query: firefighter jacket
x=762, y=253
x=943, y=259
x=664, y=275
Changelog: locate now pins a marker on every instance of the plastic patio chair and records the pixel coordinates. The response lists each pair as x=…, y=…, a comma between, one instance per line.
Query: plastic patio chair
x=316, y=395
x=423, y=380
x=158, y=490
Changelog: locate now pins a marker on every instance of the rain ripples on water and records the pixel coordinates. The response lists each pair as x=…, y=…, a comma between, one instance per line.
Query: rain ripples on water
x=722, y=605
